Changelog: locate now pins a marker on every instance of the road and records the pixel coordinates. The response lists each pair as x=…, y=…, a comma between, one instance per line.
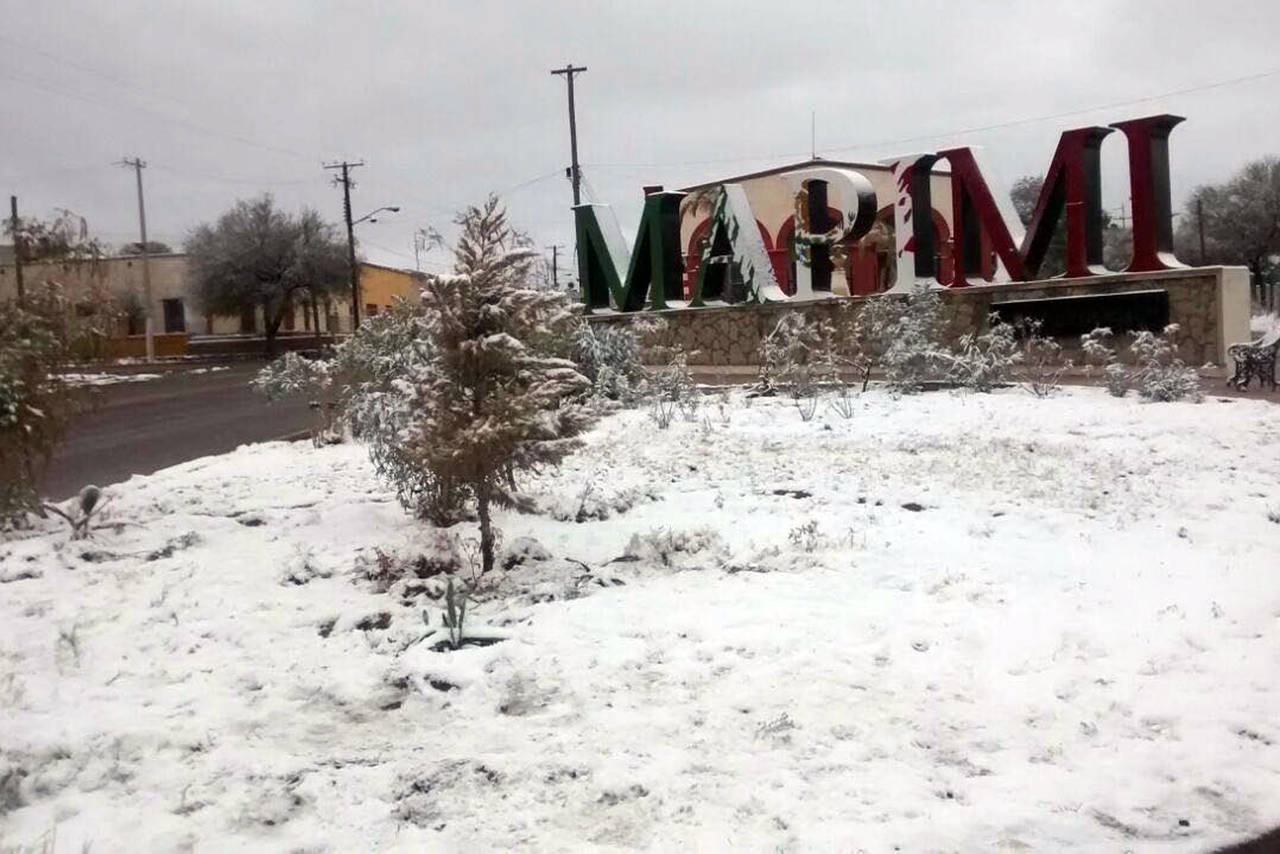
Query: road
x=190, y=412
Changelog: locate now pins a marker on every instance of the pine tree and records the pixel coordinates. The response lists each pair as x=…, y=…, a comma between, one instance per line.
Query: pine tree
x=494, y=396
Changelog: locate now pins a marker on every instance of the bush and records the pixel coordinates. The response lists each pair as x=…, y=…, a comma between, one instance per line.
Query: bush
x=1042, y=363
x=1157, y=374
x=915, y=354
x=797, y=357
x=986, y=361
x=609, y=355
x=36, y=404
x=363, y=366
x=1160, y=375
x=671, y=388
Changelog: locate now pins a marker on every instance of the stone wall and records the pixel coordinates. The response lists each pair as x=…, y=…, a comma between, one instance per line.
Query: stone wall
x=1210, y=305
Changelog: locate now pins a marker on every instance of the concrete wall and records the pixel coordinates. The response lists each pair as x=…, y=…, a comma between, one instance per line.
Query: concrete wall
x=1210, y=304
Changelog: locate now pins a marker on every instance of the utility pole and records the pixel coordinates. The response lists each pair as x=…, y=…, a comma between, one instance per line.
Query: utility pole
x=568, y=71
x=1200, y=226
x=555, y=261
x=346, y=182
x=17, y=251
x=138, y=165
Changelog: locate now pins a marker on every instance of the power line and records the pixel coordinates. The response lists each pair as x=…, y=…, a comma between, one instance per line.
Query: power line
x=189, y=125
x=1218, y=84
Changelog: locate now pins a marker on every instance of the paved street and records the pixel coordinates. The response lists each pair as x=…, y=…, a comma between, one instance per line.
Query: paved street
x=137, y=428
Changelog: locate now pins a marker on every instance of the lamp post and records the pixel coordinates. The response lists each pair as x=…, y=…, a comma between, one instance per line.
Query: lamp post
x=355, y=269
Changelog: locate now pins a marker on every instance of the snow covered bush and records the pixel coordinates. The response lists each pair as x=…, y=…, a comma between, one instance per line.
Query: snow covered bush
x=986, y=361
x=36, y=403
x=610, y=355
x=795, y=356
x=491, y=394
x=1097, y=349
x=871, y=333
x=915, y=354
x=671, y=388
x=363, y=365
x=1157, y=373
x=1160, y=375
x=664, y=546
x=1042, y=362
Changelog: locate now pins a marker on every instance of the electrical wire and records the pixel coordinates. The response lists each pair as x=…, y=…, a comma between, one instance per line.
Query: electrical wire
x=1218, y=84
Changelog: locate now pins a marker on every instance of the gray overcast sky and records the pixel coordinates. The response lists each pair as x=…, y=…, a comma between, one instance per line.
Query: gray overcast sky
x=447, y=101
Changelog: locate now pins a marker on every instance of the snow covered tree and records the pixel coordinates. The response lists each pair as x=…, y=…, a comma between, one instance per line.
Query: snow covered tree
x=493, y=394
x=36, y=403
x=1241, y=222
x=257, y=256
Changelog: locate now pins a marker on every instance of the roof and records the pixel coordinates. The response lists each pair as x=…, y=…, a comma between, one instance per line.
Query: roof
x=791, y=167
x=404, y=270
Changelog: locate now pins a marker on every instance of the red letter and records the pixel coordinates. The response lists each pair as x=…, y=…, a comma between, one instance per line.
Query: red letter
x=1149, y=186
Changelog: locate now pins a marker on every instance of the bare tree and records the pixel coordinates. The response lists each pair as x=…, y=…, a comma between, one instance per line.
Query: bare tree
x=256, y=255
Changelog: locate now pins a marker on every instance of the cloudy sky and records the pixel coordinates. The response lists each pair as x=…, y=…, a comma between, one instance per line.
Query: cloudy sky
x=446, y=101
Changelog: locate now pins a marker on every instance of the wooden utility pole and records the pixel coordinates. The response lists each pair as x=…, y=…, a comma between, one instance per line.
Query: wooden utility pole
x=138, y=165
x=1200, y=226
x=555, y=258
x=17, y=251
x=346, y=182
x=575, y=174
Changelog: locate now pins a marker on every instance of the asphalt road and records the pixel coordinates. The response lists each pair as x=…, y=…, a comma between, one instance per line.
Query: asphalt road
x=140, y=427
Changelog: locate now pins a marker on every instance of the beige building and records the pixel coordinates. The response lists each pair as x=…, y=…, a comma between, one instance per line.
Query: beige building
x=114, y=285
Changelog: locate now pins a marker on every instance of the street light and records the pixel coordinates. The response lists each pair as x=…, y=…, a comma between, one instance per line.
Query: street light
x=355, y=269
x=369, y=216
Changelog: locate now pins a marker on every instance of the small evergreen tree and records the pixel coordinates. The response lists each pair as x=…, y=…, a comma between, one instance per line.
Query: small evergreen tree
x=493, y=394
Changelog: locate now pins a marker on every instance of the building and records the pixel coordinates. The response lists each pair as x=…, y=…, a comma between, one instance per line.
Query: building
x=871, y=258
x=113, y=285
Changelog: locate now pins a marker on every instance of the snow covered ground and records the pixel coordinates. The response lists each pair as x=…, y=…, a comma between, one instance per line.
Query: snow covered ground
x=967, y=623
x=96, y=379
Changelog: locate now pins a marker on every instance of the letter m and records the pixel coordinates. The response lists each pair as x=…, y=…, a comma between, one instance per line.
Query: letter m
x=653, y=271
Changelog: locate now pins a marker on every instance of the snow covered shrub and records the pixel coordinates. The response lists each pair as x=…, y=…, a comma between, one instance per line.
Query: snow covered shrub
x=1157, y=373
x=915, y=354
x=36, y=404
x=611, y=356
x=1042, y=362
x=1160, y=375
x=362, y=366
x=1098, y=350
x=986, y=361
x=671, y=388
x=664, y=546
x=871, y=333
x=841, y=400
x=792, y=356
x=491, y=394
x=807, y=537
x=293, y=375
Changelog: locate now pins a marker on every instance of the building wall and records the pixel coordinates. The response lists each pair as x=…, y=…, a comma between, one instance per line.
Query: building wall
x=1210, y=304
x=772, y=201
x=120, y=278
x=89, y=282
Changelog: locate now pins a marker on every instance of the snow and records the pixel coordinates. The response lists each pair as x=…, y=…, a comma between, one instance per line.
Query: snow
x=99, y=379
x=952, y=622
